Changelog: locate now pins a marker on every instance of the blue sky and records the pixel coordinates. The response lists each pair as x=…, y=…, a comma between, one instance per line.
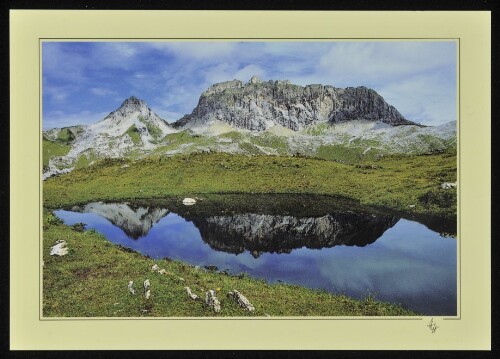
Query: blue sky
x=84, y=81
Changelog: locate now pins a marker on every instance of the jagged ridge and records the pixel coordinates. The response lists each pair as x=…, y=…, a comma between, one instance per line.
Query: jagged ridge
x=259, y=105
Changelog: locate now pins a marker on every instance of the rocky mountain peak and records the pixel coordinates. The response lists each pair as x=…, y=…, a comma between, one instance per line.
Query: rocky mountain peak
x=255, y=80
x=259, y=105
x=133, y=104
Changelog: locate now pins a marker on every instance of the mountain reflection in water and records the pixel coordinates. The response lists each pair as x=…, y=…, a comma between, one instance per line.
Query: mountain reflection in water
x=315, y=241
x=259, y=233
x=253, y=232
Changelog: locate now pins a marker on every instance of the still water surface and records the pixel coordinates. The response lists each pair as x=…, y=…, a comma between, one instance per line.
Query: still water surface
x=314, y=242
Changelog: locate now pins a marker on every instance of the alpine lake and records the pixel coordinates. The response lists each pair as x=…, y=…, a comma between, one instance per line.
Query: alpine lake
x=319, y=242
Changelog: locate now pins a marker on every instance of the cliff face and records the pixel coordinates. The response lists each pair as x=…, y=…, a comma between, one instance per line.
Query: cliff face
x=259, y=105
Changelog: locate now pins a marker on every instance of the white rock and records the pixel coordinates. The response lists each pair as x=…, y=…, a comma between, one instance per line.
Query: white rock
x=448, y=185
x=125, y=166
x=242, y=300
x=188, y=201
x=147, y=290
x=130, y=288
x=59, y=249
x=191, y=294
x=155, y=268
x=212, y=301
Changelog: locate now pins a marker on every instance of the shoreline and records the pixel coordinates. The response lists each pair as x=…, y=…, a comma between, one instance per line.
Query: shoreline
x=96, y=271
x=92, y=278
x=409, y=185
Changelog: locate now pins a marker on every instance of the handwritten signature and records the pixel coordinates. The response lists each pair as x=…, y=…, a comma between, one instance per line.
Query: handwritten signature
x=432, y=326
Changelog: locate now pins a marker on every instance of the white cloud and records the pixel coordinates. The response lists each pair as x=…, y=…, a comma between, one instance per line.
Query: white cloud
x=113, y=55
x=211, y=51
x=427, y=99
x=362, y=63
x=102, y=91
x=59, y=94
x=62, y=65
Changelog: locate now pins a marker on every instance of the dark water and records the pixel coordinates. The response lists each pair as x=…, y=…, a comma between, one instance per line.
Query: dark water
x=317, y=242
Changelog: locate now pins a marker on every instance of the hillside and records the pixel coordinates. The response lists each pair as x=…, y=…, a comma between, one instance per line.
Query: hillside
x=256, y=118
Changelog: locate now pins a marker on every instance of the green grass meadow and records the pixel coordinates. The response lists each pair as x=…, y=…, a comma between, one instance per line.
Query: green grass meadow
x=91, y=281
x=400, y=183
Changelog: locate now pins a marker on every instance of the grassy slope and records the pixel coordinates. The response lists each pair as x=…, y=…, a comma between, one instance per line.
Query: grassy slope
x=393, y=182
x=92, y=281
x=52, y=148
x=134, y=134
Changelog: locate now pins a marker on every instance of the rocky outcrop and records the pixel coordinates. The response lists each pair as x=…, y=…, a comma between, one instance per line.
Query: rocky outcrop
x=64, y=134
x=259, y=105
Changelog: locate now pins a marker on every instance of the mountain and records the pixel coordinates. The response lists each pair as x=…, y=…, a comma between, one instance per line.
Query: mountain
x=256, y=118
x=133, y=116
x=133, y=126
x=259, y=105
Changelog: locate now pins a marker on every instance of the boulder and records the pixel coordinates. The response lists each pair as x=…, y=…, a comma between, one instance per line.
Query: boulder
x=130, y=287
x=59, y=249
x=212, y=301
x=188, y=201
x=147, y=289
x=191, y=294
x=448, y=185
x=242, y=300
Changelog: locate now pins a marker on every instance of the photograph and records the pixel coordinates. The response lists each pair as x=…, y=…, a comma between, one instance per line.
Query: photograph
x=249, y=178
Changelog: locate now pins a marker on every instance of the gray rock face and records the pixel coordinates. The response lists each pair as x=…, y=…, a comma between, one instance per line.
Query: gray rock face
x=259, y=105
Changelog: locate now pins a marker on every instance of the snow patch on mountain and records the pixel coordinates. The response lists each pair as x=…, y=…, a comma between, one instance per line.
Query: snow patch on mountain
x=133, y=126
